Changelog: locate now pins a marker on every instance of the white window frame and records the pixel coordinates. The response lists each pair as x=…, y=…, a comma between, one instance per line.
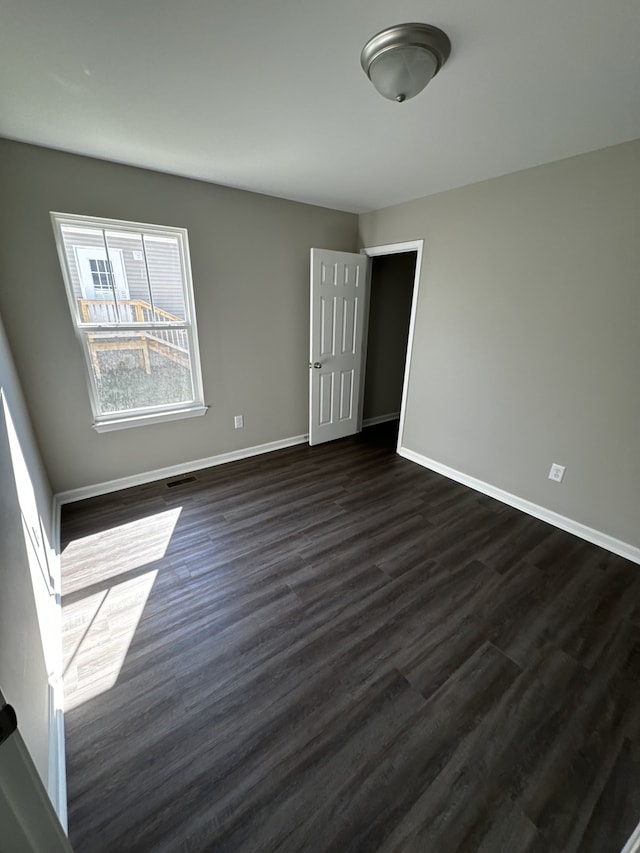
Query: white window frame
x=152, y=414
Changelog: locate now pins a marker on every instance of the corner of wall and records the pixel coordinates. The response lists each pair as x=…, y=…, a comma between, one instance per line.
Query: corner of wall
x=596, y=537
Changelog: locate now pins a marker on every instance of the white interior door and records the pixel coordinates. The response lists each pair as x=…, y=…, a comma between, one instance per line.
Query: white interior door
x=338, y=306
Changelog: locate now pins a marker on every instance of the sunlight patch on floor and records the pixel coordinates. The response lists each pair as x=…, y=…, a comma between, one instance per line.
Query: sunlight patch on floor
x=125, y=546
x=98, y=632
x=102, y=605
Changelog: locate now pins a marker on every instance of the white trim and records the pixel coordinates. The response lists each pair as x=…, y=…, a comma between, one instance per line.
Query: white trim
x=616, y=546
x=174, y=470
x=57, y=772
x=366, y=306
x=416, y=246
x=55, y=539
x=145, y=420
x=633, y=844
x=380, y=419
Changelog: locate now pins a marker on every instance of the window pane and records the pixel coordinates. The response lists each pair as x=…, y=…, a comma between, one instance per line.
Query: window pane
x=93, y=275
x=134, y=301
x=164, y=264
x=101, y=275
x=141, y=369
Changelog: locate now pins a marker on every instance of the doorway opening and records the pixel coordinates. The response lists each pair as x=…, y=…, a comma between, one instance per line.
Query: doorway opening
x=341, y=285
x=392, y=300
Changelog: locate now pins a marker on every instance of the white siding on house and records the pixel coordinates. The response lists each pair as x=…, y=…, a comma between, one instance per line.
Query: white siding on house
x=163, y=263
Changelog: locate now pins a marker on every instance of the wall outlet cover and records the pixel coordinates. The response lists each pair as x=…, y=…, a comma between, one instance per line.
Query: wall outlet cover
x=556, y=472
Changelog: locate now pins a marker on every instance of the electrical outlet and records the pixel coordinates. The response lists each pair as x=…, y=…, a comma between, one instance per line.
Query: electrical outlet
x=238, y=422
x=556, y=473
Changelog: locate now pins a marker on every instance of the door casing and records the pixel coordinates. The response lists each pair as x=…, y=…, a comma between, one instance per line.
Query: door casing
x=416, y=246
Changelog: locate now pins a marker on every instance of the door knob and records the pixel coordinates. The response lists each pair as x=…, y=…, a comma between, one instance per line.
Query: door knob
x=315, y=364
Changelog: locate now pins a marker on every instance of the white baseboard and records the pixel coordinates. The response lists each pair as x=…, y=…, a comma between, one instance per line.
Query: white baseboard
x=616, y=546
x=57, y=781
x=633, y=844
x=57, y=771
x=381, y=419
x=174, y=470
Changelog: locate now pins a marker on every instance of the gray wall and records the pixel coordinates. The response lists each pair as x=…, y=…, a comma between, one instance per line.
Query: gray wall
x=527, y=340
x=250, y=263
x=390, y=297
x=29, y=627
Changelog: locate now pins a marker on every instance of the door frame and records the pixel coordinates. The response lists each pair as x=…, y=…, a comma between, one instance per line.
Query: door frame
x=416, y=246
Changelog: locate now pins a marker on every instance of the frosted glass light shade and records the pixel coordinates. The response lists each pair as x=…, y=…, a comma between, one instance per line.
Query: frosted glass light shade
x=401, y=60
x=401, y=73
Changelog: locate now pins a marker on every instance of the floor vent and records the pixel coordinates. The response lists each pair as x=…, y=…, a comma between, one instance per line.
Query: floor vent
x=181, y=481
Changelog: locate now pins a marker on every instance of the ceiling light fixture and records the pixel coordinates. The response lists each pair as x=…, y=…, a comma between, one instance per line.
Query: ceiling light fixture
x=401, y=60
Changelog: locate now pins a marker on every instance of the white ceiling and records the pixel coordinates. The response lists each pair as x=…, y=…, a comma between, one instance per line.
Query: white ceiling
x=269, y=95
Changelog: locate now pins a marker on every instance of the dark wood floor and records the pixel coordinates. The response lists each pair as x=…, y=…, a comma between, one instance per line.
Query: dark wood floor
x=337, y=650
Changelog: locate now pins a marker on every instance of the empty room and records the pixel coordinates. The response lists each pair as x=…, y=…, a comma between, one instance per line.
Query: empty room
x=320, y=480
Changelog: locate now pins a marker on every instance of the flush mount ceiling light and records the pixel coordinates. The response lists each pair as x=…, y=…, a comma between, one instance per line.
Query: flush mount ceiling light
x=401, y=60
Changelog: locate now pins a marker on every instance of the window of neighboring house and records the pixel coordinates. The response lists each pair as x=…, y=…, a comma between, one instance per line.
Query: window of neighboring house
x=101, y=274
x=131, y=298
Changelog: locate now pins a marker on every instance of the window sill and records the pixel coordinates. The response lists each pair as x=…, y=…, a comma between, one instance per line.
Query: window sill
x=146, y=420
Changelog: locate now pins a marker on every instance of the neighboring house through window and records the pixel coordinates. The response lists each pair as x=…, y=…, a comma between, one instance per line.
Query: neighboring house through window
x=99, y=274
x=131, y=298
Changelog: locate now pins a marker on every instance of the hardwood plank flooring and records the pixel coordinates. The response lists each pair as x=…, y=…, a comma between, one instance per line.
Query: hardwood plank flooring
x=333, y=649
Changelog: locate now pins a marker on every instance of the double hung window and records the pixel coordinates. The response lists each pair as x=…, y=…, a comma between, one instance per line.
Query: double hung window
x=131, y=299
